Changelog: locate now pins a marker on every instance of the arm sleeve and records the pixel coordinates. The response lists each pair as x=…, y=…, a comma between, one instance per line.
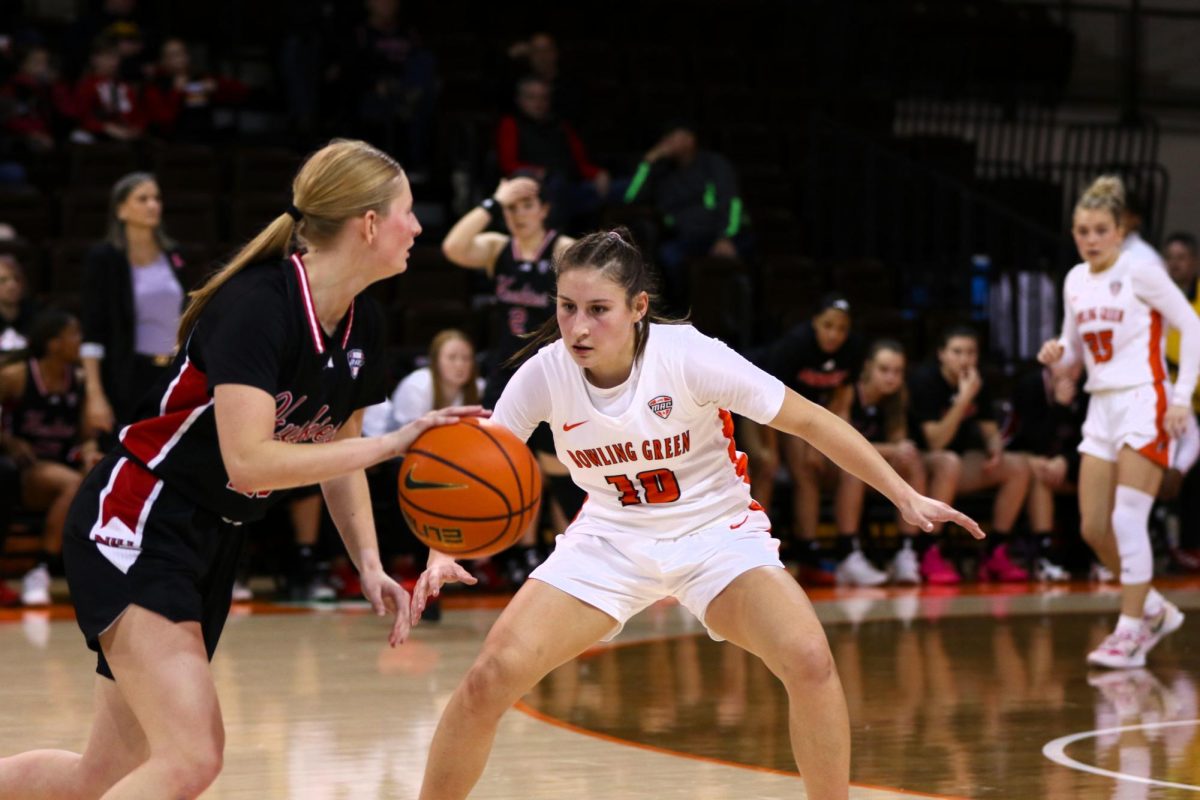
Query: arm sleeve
x=1155, y=288
x=96, y=327
x=728, y=197
x=412, y=398
x=1070, y=334
x=714, y=373
x=638, y=181
x=525, y=402
x=230, y=356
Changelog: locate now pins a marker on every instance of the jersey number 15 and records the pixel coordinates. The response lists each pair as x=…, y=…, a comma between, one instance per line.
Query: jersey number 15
x=658, y=486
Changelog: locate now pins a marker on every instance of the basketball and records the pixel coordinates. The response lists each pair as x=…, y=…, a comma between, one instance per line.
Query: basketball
x=469, y=489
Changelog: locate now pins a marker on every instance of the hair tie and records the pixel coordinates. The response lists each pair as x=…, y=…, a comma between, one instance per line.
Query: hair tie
x=294, y=213
x=616, y=236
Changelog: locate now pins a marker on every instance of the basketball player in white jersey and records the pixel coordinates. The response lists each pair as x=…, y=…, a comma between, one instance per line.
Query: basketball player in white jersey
x=641, y=416
x=1116, y=307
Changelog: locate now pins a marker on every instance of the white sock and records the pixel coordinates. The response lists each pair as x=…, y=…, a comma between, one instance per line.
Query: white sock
x=1154, y=603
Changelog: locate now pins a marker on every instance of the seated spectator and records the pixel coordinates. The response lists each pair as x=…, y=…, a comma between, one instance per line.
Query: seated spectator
x=1048, y=414
x=1183, y=264
x=952, y=410
x=819, y=359
x=534, y=140
x=695, y=191
x=125, y=25
x=392, y=79
x=108, y=106
x=16, y=309
x=180, y=103
x=43, y=401
x=10, y=493
x=538, y=56
x=879, y=411
x=35, y=102
x=451, y=379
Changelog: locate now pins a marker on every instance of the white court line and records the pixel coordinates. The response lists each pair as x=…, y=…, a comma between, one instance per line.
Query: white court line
x=1056, y=752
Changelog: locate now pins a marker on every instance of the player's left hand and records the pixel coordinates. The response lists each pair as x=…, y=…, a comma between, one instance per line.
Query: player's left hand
x=1176, y=420
x=388, y=597
x=924, y=511
x=440, y=570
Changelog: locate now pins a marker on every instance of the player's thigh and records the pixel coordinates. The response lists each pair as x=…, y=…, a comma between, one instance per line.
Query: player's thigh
x=766, y=612
x=542, y=628
x=976, y=475
x=1138, y=472
x=162, y=671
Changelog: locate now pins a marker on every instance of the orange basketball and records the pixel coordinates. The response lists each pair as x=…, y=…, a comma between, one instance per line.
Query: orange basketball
x=469, y=489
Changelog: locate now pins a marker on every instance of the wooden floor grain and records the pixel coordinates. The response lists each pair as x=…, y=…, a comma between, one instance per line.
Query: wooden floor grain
x=950, y=696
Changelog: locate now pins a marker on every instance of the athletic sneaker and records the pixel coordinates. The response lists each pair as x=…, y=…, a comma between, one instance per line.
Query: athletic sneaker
x=1101, y=573
x=242, y=593
x=821, y=574
x=1122, y=649
x=856, y=570
x=1049, y=572
x=936, y=570
x=1166, y=621
x=1000, y=568
x=35, y=587
x=905, y=568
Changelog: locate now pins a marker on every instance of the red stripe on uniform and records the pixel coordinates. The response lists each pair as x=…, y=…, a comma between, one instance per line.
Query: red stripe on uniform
x=186, y=395
x=1157, y=365
x=1159, y=450
x=131, y=489
x=309, y=309
x=349, y=325
x=739, y=459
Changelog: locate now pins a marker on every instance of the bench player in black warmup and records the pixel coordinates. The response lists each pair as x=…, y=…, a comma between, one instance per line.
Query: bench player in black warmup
x=275, y=351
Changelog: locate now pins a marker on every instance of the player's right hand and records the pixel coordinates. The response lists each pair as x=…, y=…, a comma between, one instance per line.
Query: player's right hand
x=1051, y=352
x=400, y=440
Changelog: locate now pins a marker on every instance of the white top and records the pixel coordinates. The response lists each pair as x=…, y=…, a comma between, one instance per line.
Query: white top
x=1120, y=315
x=666, y=465
x=412, y=398
x=1137, y=247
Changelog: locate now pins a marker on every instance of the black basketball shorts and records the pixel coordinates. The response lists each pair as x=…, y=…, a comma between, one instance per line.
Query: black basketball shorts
x=132, y=540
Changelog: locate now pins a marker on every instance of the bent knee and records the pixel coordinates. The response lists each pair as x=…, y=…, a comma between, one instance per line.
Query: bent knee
x=495, y=680
x=805, y=662
x=188, y=775
x=945, y=463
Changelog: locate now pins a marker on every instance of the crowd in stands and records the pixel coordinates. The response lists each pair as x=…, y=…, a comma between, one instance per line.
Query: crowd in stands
x=78, y=355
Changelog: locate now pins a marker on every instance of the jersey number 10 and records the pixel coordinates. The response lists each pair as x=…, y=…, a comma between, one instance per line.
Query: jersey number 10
x=658, y=486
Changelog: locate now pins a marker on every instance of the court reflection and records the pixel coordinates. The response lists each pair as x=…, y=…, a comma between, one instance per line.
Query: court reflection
x=958, y=706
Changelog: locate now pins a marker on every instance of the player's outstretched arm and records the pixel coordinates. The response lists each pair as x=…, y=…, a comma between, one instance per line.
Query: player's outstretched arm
x=256, y=462
x=838, y=440
x=439, y=570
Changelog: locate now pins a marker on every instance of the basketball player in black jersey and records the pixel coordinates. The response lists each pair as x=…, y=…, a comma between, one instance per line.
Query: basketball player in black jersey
x=44, y=402
x=521, y=265
x=278, y=356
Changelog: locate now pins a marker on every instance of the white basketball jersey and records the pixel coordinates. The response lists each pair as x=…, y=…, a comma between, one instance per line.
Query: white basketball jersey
x=667, y=465
x=1116, y=319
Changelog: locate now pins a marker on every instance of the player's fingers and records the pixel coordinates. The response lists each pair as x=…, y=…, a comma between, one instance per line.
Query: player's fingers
x=966, y=523
x=464, y=576
x=374, y=596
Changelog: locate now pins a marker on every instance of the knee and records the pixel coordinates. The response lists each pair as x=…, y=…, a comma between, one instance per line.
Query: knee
x=945, y=465
x=493, y=683
x=1016, y=468
x=1093, y=529
x=805, y=663
x=189, y=774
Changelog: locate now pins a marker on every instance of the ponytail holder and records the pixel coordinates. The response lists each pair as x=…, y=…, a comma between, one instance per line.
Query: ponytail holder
x=616, y=236
x=294, y=213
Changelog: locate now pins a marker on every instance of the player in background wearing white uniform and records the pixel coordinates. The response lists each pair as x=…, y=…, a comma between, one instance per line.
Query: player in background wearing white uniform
x=1118, y=306
x=641, y=414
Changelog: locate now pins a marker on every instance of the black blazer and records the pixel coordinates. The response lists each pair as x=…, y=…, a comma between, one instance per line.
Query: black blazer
x=109, y=320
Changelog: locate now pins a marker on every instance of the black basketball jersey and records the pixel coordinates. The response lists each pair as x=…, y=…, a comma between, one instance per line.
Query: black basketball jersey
x=260, y=329
x=525, y=294
x=48, y=421
x=867, y=420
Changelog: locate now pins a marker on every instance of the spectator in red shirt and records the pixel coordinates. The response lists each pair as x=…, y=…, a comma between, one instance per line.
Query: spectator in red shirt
x=108, y=107
x=537, y=142
x=180, y=101
x=35, y=101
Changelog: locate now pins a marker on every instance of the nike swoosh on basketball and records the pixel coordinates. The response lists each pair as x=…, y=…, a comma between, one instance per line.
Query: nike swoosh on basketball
x=412, y=483
x=570, y=425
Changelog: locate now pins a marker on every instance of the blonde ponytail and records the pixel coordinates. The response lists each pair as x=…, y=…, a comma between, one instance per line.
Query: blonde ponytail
x=346, y=178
